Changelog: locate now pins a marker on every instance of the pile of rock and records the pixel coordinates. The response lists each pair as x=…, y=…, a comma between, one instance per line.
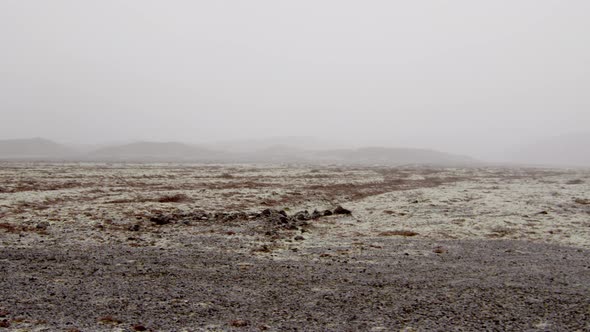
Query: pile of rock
x=276, y=217
x=179, y=217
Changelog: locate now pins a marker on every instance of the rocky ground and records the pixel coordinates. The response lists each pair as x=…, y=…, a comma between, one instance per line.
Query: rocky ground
x=146, y=247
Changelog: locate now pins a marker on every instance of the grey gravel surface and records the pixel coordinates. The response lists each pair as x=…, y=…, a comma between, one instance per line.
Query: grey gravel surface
x=489, y=285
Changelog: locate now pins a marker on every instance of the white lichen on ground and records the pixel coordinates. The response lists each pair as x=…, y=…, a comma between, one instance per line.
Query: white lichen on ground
x=76, y=201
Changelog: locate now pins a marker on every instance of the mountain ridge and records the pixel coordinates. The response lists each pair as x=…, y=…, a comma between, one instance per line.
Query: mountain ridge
x=34, y=148
x=146, y=151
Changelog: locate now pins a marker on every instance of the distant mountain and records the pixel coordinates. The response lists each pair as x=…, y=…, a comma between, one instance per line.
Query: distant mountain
x=155, y=151
x=564, y=150
x=293, y=142
x=34, y=149
x=362, y=156
x=41, y=149
x=398, y=156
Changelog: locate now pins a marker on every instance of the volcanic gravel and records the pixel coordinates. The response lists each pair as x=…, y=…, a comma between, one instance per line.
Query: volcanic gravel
x=451, y=285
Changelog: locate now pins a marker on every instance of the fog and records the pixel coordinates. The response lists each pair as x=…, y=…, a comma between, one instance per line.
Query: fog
x=469, y=77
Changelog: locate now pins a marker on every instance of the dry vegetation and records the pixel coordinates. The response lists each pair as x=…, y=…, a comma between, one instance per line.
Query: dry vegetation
x=107, y=199
x=149, y=224
x=398, y=233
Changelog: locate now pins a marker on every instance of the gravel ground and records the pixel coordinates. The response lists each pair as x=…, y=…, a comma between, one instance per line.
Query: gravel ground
x=452, y=285
x=101, y=247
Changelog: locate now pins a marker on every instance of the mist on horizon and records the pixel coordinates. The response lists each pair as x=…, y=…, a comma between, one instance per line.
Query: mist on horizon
x=463, y=77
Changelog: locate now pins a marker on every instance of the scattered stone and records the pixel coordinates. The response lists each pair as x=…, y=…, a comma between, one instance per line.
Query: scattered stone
x=5, y=323
x=582, y=201
x=316, y=214
x=110, y=320
x=278, y=217
x=4, y=313
x=543, y=212
x=245, y=266
x=264, y=248
x=274, y=219
x=340, y=210
x=280, y=220
x=302, y=215
x=239, y=323
x=299, y=238
x=439, y=250
x=134, y=228
x=42, y=225
x=139, y=327
x=178, y=198
x=161, y=219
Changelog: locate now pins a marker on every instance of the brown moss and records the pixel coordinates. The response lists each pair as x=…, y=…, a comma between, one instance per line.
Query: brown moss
x=399, y=233
x=109, y=320
x=239, y=323
x=177, y=198
x=9, y=228
x=576, y=181
x=439, y=250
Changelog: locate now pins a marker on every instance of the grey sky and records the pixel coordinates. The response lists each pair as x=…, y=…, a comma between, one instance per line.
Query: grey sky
x=463, y=76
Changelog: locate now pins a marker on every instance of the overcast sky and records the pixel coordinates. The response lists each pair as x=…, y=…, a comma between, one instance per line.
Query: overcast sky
x=464, y=76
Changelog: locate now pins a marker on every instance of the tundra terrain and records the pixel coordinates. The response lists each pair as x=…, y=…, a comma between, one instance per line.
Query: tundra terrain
x=191, y=247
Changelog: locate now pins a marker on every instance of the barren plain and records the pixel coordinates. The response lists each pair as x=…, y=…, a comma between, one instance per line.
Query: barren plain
x=182, y=247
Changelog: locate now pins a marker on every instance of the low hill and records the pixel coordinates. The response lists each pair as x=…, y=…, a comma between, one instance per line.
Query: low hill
x=155, y=151
x=398, y=156
x=362, y=156
x=41, y=149
x=34, y=149
x=253, y=145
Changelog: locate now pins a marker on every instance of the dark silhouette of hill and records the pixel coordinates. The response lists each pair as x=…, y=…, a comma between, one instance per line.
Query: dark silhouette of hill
x=41, y=149
x=34, y=149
